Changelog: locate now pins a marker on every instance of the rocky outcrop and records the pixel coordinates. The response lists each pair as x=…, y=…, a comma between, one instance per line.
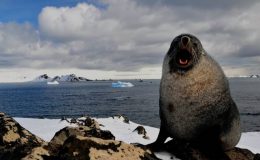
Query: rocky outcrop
x=141, y=130
x=61, y=136
x=15, y=141
x=38, y=153
x=88, y=141
x=82, y=148
x=188, y=152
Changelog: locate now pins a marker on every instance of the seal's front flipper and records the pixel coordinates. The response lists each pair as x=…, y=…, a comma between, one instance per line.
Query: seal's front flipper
x=158, y=144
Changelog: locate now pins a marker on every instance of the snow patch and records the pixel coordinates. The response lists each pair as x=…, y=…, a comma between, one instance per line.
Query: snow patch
x=46, y=128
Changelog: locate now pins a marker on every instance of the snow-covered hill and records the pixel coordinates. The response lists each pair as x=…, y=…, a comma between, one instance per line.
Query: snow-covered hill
x=42, y=78
x=62, y=78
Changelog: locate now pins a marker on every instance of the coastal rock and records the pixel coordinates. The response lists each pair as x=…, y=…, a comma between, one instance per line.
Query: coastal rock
x=81, y=148
x=61, y=136
x=15, y=141
x=88, y=141
x=38, y=153
x=188, y=152
x=123, y=117
x=141, y=130
x=89, y=122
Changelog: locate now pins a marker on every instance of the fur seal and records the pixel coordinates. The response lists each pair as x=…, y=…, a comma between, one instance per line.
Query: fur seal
x=195, y=102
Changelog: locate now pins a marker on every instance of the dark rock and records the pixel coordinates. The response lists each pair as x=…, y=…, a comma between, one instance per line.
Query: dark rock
x=63, y=118
x=141, y=130
x=15, y=141
x=61, y=136
x=88, y=141
x=44, y=76
x=91, y=143
x=187, y=151
x=125, y=118
x=89, y=122
x=84, y=79
x=38, y=153
x=240, y=154
x=257, y=156
x=73, y=120
x=56, y=78
x=82, y=148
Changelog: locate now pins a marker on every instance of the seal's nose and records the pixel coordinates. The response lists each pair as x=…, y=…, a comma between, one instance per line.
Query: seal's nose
x=185, y=40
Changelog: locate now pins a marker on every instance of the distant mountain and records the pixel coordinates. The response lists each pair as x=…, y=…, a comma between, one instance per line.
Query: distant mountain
x=42, y=78
x=254, y=76
x=63, y=78
x=69, y=78
x=247, y=76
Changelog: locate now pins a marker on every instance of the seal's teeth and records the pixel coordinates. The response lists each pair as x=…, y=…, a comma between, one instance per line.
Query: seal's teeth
x=183, y=61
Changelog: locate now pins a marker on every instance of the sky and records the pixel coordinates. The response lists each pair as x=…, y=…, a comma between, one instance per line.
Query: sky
x=122, y=39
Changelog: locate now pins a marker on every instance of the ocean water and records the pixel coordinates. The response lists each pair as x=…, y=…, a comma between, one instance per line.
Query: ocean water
x=99, y=99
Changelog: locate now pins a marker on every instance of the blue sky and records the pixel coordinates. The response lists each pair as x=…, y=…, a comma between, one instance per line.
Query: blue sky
x=22, y=11
x=122, y=38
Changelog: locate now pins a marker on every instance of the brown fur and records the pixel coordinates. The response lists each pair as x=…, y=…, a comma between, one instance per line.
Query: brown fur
x=195, y=102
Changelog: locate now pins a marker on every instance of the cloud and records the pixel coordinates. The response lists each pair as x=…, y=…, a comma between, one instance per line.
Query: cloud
x=130, y=35
x=200, y=4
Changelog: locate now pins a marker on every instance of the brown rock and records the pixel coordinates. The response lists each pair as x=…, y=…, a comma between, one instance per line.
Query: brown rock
x=240, y=154
x=82, y=148
x=38, y=153
x=89, y=122
x=141, y=130
x=189, y=152
x=61, y=136
x=15, y=141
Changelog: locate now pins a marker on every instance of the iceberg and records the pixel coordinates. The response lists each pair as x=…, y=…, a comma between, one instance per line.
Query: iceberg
x=52, y=82
x=120, y=84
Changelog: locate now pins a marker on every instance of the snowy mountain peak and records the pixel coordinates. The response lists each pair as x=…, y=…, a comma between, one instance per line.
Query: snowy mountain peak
x=63, y=78
x=42, y=78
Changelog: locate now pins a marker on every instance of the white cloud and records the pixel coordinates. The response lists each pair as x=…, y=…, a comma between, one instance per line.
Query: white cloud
x=128, y=36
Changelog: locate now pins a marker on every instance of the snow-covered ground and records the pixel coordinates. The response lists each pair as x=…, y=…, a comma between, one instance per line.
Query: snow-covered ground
x=46, y=128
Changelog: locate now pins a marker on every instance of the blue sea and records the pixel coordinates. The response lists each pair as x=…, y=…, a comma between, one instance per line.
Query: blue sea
x=99, y=99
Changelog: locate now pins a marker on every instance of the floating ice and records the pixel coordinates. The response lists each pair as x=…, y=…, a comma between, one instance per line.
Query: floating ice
x=53, y=82
x=121, y=84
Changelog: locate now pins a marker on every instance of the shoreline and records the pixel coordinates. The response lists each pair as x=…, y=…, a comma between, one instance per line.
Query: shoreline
x=99, y=138
x=122, y=131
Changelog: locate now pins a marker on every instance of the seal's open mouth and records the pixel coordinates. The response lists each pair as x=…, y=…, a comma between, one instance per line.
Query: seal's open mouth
x=183, y=58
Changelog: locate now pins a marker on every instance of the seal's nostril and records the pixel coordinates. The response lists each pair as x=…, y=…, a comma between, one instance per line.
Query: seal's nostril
x=185, y=40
